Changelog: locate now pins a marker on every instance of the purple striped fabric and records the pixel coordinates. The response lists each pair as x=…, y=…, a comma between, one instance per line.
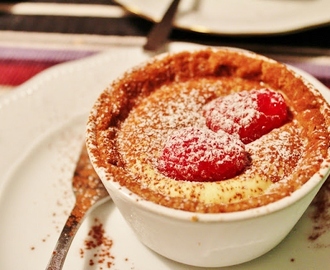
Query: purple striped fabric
x=17, y=65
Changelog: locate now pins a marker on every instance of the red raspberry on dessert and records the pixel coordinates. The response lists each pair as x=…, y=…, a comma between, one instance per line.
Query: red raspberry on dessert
x=199, y=154
x=250, y=114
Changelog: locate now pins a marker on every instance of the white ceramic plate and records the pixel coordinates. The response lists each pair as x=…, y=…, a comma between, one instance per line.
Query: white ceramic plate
x=238, y=17
x=41, y=132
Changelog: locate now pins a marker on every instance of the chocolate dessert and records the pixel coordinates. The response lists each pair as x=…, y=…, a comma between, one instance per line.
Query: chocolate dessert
x=172, y=131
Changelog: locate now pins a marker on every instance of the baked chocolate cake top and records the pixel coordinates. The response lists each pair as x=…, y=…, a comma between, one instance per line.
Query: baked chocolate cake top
x=133, y=118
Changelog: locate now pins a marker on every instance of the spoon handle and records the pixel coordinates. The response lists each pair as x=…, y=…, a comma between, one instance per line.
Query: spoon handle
x=161, y=30
x=65, y=239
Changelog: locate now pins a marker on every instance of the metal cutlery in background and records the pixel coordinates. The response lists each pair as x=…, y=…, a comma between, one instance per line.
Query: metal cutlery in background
x=158, y=35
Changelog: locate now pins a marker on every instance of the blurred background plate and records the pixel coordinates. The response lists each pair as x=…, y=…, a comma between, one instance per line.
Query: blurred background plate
x=238, y=17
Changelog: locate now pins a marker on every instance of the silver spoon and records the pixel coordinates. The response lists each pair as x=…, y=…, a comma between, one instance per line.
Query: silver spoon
x=89, y=192
x=87, y=187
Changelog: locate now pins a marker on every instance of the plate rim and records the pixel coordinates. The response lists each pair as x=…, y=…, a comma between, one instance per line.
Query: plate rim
x=75, y=66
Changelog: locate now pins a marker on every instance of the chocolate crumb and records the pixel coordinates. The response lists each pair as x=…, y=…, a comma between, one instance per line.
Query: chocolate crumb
x=100, y=245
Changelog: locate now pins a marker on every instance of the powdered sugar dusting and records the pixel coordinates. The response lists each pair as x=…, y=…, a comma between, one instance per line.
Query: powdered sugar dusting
x=178, y=106
x=277, y=154
x=199, y=154
x=242, y=106
x=150, y=126
x=250, y=114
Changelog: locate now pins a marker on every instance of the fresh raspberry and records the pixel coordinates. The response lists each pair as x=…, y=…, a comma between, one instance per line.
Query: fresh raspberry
x=250, y=114
x=195, y=154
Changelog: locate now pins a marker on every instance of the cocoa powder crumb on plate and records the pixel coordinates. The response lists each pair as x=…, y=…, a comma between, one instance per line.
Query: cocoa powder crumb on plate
x=320, y=214
x=98, y=242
